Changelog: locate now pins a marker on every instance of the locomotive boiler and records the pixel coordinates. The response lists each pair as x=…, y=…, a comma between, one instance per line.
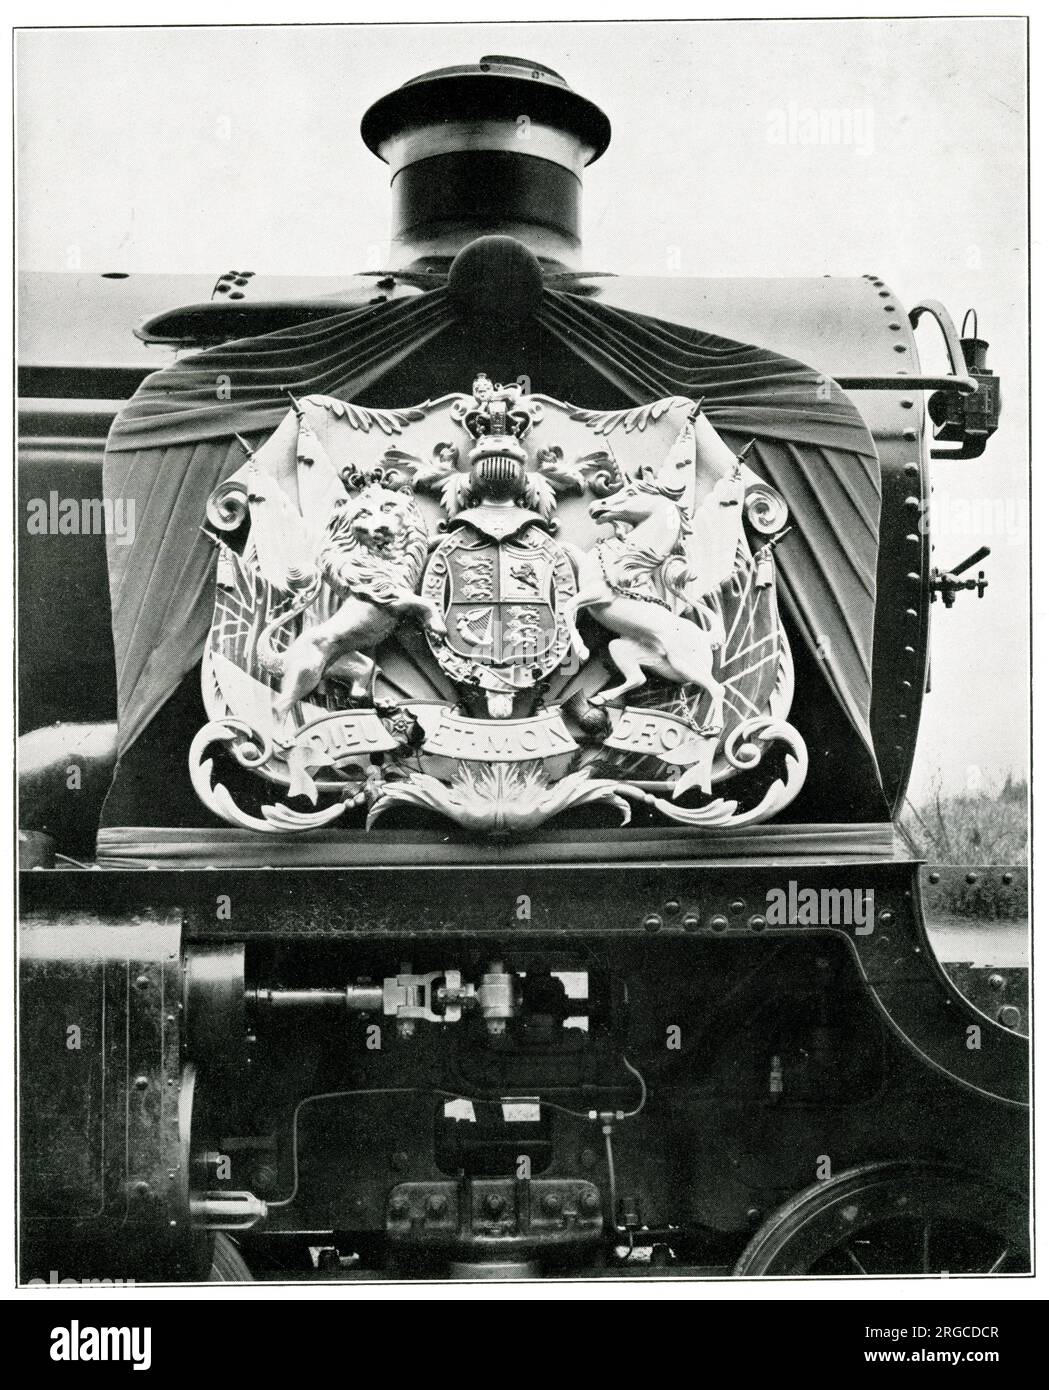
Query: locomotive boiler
x=458, y=793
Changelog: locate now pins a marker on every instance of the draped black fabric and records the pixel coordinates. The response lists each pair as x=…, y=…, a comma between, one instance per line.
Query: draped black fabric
x=810, y=443
x=174, y=442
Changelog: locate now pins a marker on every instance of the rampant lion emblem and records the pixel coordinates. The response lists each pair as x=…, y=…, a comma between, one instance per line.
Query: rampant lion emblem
x=367, y=569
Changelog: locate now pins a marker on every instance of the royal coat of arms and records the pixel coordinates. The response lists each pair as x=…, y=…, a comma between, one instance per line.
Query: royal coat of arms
x=497, y=607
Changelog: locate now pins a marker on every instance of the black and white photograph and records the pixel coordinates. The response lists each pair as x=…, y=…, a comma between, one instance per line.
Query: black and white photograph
x=523, y=594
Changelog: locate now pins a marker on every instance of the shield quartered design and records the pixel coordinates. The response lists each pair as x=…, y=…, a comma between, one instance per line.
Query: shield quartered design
x=500, y=599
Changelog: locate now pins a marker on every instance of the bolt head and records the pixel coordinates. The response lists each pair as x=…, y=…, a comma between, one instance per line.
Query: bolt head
x=551, y=1204
x=494, y=1204
x=264, y=1178
x=436, y=1205
x=399, y=1208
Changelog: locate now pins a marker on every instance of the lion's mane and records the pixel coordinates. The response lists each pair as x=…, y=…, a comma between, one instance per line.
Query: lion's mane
x=351, y=567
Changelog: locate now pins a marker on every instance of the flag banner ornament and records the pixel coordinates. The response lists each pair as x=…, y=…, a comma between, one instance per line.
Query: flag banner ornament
x=496, y=607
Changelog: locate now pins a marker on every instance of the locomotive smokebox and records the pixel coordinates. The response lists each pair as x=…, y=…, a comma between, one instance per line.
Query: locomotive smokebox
x=497, y=147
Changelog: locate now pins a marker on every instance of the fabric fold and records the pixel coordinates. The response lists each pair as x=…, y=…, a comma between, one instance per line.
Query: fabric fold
x=175, y=441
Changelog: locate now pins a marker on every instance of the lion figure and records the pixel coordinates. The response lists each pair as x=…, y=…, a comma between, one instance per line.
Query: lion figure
x=368, y=565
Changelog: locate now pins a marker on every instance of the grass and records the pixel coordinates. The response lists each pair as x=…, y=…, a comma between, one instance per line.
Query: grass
x=976, y=828
x=985, y=827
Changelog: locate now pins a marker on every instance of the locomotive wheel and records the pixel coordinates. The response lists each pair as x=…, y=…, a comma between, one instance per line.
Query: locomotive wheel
x=228, y=1265
x=893, y=1218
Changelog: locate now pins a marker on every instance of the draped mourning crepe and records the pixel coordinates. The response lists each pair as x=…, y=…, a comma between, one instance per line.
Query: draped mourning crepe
x=175, y=441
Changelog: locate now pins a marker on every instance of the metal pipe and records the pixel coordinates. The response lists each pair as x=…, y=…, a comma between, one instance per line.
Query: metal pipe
x=964, y=384
x=352, y=998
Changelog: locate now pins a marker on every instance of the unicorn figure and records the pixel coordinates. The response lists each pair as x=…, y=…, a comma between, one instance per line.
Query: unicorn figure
x=637, y=582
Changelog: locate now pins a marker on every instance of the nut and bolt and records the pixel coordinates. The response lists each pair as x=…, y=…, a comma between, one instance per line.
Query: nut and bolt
x=494, y=1205
x=399, y=1208
x=436, y=1206
x=264, y=1179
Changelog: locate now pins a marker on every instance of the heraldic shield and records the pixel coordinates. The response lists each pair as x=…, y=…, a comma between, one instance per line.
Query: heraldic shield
x=496, y=609
x=502, y=598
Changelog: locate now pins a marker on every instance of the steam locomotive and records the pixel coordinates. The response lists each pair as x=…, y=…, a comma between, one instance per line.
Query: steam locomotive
x=509, y=676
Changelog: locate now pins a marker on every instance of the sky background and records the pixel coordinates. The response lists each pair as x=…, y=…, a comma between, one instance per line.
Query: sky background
x=196, y=149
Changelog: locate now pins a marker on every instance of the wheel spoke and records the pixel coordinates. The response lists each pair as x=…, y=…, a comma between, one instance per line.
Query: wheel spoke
x=999, y=1261
x=854, y=1258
